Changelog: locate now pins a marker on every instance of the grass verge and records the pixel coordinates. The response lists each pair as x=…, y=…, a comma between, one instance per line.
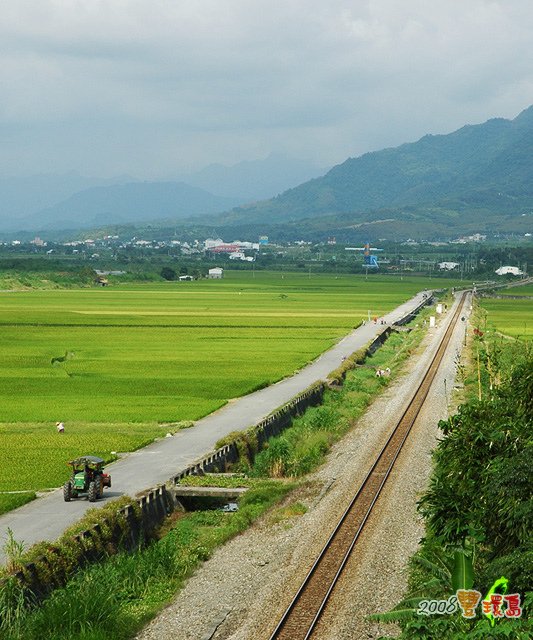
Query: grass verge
x=9, y=501
x=303, y=446
x=116, y=597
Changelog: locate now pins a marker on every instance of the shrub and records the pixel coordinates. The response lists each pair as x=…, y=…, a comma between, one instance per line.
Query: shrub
x=168, y=274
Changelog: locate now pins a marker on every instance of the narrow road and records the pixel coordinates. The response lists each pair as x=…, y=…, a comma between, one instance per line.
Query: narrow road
x=248, y=582
x=47, y=517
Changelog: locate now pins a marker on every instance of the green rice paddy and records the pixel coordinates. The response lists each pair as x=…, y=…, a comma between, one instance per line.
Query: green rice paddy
x=526, y=290
x=512, y=317
x=118, y=364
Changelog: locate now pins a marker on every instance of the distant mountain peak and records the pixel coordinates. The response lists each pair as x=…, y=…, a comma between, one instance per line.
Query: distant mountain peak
x=525, y=117
x=481, y=174
x=252, y=180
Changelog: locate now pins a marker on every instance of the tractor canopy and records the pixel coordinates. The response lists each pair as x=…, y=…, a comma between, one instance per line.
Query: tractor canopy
x=93, y=462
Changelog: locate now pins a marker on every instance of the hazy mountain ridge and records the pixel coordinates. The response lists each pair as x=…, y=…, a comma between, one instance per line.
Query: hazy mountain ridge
x=127, y=203
x=23, y=196
x=476, y=179
x=73, y=201
x=490, y=164
x=253, y=180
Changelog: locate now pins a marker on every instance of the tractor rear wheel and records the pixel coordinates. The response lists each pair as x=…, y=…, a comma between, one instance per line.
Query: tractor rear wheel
x=99, y=486
x=67, y=491
x=93, y=492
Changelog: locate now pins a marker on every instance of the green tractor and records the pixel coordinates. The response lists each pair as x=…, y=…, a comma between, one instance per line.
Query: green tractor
x=87, y=479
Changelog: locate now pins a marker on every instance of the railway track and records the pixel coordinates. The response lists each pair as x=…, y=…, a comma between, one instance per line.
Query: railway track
x=303, y=614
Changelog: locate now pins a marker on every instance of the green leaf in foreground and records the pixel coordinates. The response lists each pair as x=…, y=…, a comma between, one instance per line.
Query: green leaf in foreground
x=463, y=571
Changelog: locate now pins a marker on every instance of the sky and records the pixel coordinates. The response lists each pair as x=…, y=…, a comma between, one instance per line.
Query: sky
x=156, y=87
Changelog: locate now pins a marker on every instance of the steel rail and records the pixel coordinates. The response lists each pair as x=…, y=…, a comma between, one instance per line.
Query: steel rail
x=304, y=611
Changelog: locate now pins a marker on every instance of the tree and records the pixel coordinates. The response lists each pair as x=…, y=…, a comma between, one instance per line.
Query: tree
x=167, y=273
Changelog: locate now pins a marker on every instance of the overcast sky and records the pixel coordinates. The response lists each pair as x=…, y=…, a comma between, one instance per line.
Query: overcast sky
x=152, y=87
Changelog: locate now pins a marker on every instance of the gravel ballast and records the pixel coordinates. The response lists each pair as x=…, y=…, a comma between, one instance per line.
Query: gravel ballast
x=242, y=591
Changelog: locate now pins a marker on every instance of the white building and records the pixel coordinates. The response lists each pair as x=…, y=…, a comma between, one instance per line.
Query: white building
x=210, y=243
x=216, y=273
x=514, y=271
x=237, y=255
x=448, y=266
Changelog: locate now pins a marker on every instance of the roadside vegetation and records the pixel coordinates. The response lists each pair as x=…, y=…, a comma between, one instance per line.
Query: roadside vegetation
x=120, y=594
x=9, y=501
x=304, y=445
x=124, y=365
x=478, y=509
x=114, y=598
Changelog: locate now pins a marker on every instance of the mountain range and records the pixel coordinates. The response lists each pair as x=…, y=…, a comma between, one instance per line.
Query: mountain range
x=479, y=178
x=253, y=180
x=71, y=201
x=476, y=179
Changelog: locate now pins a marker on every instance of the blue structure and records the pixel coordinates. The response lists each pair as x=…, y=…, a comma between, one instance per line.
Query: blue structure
x=369, y=261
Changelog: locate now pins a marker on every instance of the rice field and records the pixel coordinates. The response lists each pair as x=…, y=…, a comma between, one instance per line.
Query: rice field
x=526, y=290
x=119, y=365
x=512, y=317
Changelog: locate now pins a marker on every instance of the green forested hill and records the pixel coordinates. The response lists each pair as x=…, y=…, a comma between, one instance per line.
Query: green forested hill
x=477, y=178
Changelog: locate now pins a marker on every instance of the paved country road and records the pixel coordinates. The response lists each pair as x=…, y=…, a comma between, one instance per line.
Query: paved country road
x=47, y=517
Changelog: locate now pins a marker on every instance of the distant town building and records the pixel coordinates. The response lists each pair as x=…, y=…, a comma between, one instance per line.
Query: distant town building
x=448, y=266
x=332, y=240
x=109, y=273
x=513, y=271
x=263, y=240
x=38, y=242
x=476, y=237
x=216, y=273
x=225, y=248
x=219, y=246
x=239, y=255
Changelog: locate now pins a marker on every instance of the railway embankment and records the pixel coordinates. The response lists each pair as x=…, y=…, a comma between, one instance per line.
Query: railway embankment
x=244, y=588
x=477, y=507
x=151, y=509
